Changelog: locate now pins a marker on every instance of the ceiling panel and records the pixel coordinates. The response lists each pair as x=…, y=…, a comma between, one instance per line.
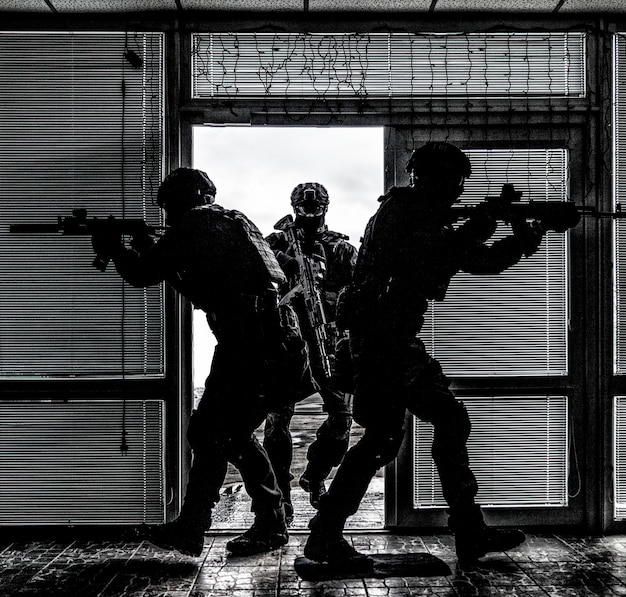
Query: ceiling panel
x=260, y=5
x=24, y=5
x=357, y=6
x=104, y=6
x=594, y=6
x=497, y=5
x=380, y=5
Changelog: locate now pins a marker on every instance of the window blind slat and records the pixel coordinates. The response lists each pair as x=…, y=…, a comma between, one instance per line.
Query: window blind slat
x=515, y=322
x=619, y=457
x=620, y=198
x=517, y=449
x=388, y=64
x=97, y=122
x=61, y=462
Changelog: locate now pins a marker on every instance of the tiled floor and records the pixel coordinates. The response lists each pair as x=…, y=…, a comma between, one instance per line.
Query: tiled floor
x=99, y=564
x=545, y=565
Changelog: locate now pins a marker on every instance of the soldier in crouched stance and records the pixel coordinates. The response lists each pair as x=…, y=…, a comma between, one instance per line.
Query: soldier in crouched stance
x=409, y=254
x=218, y=259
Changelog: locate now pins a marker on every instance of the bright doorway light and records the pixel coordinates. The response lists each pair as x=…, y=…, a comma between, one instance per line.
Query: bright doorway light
x=256, y=168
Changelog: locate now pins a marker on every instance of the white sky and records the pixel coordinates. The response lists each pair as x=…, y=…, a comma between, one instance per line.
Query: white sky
x=256, y=168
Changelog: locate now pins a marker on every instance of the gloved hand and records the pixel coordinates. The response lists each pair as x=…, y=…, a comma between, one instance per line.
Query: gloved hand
x=529, y=233
x=105, y=245
x=288, y=263
x=482, y=223
x=142, y=241
x=318, y=253
x=106, y=242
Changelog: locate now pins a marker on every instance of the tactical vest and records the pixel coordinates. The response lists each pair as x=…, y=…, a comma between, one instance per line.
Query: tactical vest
x=256, y=238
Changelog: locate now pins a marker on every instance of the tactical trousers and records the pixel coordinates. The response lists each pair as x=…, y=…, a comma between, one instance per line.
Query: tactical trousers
x=325, y=452
x=221, y=430
x=393, y=374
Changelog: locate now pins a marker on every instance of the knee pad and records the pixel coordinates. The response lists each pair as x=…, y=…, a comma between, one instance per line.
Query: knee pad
x=452, y=431
x=234, y=451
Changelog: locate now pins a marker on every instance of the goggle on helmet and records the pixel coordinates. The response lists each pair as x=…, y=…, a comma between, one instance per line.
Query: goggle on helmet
x=309, y=199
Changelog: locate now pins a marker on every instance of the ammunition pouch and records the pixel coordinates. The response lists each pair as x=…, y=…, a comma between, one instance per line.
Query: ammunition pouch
x=387, y=309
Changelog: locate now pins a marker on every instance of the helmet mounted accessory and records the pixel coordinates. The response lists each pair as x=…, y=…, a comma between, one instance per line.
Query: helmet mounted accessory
x=309, y=200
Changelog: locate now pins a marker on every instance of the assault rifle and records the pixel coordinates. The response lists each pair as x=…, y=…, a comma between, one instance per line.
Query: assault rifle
x=308, y=289
x=553, y=215
x=79, y=224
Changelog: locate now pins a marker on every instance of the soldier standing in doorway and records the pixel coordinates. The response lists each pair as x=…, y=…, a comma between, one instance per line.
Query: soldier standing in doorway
x=318, y=264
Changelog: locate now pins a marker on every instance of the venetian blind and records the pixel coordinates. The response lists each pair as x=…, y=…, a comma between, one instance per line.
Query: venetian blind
x=620, y=199
x=619, y=457
x=513, y=323
x=388, y=64
x=80, y=126
x=61, y=463
x=517, y=449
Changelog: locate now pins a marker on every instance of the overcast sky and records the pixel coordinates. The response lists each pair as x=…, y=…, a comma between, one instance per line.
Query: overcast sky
x=256, y=168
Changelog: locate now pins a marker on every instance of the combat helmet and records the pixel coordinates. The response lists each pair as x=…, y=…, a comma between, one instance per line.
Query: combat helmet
x=186, y=186
x=309, y=199
x=439, y=159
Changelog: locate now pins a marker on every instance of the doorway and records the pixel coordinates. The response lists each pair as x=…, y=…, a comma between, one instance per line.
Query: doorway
x=255, y=169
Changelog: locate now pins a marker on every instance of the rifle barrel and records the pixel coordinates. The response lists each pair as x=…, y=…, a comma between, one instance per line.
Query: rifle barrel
x=34, y=228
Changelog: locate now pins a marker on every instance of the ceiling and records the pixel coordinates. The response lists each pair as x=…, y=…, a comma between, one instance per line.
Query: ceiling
x=433, y=6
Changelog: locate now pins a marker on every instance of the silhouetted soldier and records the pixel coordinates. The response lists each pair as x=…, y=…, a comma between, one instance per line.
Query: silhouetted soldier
x=332, y=259
x=219, y=260
x=410, y=252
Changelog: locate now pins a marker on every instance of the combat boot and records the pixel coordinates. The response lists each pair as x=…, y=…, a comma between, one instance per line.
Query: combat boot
x=472, y=545
x=315, y=489
x=474, y=539
x=185, y=534
x=268, y=532
x=326, y=544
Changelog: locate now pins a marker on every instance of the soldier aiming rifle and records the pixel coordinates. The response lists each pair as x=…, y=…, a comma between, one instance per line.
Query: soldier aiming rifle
x=412, y=247
x=218, y=260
